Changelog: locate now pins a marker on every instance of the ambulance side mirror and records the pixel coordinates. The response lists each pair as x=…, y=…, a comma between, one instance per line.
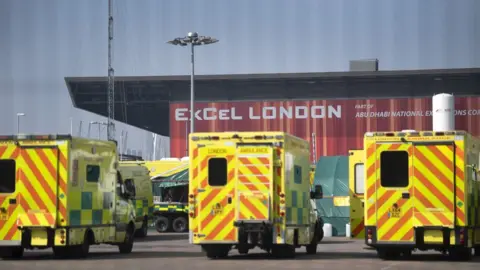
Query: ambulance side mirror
x=317, y=193
x=121, y=189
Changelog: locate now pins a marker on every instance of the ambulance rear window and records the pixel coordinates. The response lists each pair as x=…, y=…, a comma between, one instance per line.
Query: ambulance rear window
x=359, y=179
x=394, y=169
x=7, y=175
x=93, y=173
x=217, y=172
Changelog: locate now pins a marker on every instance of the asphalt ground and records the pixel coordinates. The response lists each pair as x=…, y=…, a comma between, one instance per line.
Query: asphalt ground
x=172, y=251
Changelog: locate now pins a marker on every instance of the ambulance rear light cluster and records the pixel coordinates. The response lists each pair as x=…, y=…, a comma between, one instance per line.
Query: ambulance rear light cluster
x=462, y=236
x=35, y=137
x=369, y=235
x=62, y=237
x=282, y=204
x=191, y=202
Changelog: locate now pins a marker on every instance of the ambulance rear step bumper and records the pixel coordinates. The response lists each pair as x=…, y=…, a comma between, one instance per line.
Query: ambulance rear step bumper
x=253, y=225
x=419, y=238
x=10, y=243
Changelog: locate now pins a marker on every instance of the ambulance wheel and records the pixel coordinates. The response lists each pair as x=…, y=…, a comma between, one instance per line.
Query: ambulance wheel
x=312, y=247
x=179, y=224
x=12, y=253
x=61, y=252
x=283, y=251
x=476, y=251
x=162, y=224
x=320, y=234
x=142, y=232
x=127, y=245
x=387, y=254
x=81, y=251
x=460, y=254
x=216, y=251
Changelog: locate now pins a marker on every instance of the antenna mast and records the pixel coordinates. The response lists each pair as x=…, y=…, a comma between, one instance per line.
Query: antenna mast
x=111, y=82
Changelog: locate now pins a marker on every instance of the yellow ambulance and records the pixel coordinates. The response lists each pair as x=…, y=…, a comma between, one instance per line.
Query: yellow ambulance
x=252, y=189
x=63, y=193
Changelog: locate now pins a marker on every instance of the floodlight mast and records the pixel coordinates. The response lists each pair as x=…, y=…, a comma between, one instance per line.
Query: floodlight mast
x=111, y=77
x=193, y=39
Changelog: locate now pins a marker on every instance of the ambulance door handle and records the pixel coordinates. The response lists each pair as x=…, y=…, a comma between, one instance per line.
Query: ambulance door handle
x=405, y=195
x=229, y=200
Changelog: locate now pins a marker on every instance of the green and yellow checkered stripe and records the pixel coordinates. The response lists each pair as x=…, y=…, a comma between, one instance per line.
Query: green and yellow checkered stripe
x=87, y=208
x=141, y=207
x=171, y=208
x=297, y=208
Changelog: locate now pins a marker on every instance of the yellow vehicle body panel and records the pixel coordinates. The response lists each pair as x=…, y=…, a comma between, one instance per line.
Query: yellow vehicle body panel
x=356, y=182
x=433, y=199
x=33, y=166
x=61, y=184
x=165, y=167
x=254, y=187
x=142, y=201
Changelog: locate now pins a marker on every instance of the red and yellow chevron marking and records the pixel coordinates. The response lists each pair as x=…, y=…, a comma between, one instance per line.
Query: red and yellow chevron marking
x=254, y=177
x=217, y=226
x=388, y=228
x=36, y=189
x=434, y=186
x=193, y=190
x=431, y=190
x=357, y=228
x=371, y=165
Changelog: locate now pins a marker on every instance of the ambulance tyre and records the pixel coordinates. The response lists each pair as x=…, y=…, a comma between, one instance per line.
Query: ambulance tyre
x=127, y=246
x=82, y=250
x=460, y=254
x=388, y=254
x=180, y=224
x=477, y=251
x=142, y=232
x=320, y=234
x=216, y=251
x=162, y=224
x=61, y=252
x=283, y=251
x=312, y=247
x=12, y=253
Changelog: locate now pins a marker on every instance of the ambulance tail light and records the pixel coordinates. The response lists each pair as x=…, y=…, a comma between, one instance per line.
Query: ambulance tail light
x=462, y=236
x=369, y=234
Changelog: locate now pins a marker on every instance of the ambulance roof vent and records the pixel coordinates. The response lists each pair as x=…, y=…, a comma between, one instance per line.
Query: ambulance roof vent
x=409, y=130
x=185, y=158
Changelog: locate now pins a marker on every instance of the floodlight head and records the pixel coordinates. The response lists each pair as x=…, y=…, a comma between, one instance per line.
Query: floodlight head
x=192, y=35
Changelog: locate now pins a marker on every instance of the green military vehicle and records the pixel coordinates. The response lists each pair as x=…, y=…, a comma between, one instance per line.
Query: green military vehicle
x=170, y=199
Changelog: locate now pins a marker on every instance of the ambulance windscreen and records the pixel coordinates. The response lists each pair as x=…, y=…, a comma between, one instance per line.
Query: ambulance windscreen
x=394, y=169
x=7, y=175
